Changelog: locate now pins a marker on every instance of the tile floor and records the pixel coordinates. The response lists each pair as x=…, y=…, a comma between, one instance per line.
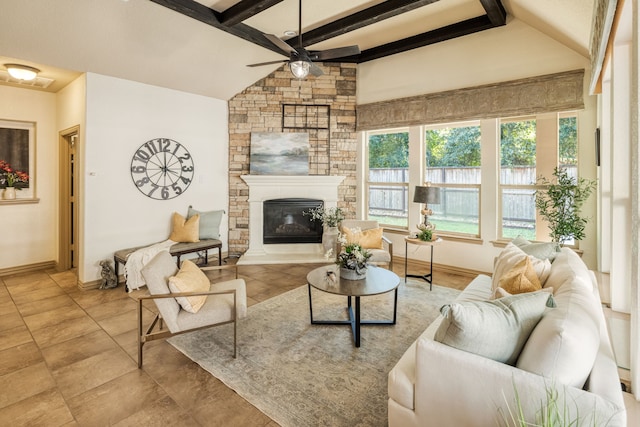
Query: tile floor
x=68, y=357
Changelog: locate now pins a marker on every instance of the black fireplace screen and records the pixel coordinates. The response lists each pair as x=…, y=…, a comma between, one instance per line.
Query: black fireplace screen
x=284, y=222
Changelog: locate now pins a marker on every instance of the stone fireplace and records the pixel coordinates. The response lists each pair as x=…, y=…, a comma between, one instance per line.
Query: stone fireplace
x=263, y=188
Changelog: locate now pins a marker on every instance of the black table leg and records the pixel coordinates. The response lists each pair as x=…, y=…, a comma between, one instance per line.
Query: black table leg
x=427, y=277
x=354, y=316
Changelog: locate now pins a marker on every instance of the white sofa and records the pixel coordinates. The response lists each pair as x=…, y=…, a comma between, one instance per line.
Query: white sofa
x=434, y=384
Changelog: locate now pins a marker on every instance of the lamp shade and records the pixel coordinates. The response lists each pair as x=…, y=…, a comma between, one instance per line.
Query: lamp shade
x=428, y=195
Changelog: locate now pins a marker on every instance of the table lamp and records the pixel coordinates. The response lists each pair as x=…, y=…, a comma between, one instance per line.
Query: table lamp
x=427, y=195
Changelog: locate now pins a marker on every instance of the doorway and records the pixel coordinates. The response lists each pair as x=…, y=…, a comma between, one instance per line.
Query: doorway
x=69, y=203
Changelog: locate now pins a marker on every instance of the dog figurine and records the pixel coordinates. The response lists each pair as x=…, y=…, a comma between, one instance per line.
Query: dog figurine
x=109, y=279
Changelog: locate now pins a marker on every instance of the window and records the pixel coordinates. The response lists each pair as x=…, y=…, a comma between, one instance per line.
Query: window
x=531, y=147
x=388, y=178
x=453, y=165
x=518, y=177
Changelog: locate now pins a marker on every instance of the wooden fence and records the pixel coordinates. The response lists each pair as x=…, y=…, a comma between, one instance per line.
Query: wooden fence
x=456, y=203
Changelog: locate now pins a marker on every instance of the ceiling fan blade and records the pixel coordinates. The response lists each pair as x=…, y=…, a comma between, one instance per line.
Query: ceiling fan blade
x=338, y=52
x=268, y=63
x=315, y=70
x=280, y=43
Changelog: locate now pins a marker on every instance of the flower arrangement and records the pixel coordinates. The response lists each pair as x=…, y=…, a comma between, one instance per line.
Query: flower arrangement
x=330, y=217
x=353, y=257
x=9, y=177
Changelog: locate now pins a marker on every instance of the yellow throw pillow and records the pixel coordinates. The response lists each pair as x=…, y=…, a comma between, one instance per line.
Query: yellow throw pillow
x=185, y=230
x=190, y=279
x=521, y=278
x=368, y=239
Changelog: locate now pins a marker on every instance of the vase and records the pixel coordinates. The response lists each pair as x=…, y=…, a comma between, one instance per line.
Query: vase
x=9, y=193
x=348, y=274
x=329, y=242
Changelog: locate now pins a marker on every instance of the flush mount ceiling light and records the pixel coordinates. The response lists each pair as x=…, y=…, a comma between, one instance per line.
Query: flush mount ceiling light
x=22, y=72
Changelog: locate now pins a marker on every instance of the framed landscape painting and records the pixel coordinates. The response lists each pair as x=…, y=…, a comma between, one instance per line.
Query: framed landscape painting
x=279, y=153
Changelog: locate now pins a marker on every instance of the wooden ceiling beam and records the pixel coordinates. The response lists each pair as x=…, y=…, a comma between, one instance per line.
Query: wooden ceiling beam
x=449, y=32
x=200, y=12
x=371, y=15
x=245, y=9
x=495, y=11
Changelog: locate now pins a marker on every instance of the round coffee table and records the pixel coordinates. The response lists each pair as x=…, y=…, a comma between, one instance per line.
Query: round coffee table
x=378, y=281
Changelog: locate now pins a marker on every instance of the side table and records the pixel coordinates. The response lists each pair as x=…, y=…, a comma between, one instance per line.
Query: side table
x=415, y=241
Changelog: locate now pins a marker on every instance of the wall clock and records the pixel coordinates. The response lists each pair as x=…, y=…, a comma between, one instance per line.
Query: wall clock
x=162, y=168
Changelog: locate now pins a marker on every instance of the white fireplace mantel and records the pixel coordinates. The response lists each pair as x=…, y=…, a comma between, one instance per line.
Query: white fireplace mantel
x=269, y=187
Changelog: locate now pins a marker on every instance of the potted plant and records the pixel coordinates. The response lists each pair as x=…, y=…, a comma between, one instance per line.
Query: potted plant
x=560, y=203
x=353, y=262
x=331, y=218
x=10, y=177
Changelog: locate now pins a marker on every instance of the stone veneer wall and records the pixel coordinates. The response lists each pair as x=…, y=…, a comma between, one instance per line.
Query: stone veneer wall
x=259, y=109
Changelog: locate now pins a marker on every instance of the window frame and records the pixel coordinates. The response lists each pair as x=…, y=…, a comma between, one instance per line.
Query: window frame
x=369, y=184
x=461, y=124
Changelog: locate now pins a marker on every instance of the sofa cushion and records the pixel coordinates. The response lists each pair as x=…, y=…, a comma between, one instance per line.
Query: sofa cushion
x=184, y=230
x=209, y=226
x=545, y=250
x=190, y=279
x=521, y=278
x=510, y=256
x=564, y=344
x=496, y=329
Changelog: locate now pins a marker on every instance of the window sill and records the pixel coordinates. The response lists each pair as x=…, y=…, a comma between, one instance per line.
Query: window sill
x=20, y=201
x=503, y=243
x=448, y=237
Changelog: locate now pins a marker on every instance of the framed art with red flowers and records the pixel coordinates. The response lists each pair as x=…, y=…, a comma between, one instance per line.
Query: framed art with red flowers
x=17, y=157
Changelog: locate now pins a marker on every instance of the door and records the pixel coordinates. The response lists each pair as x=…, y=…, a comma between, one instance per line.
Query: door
x=69, y=177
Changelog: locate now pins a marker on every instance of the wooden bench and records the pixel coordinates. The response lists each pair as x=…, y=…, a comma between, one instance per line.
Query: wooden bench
x=177, y=250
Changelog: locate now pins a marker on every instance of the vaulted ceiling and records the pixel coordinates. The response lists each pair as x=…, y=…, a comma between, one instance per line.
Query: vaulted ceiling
x=204, y=46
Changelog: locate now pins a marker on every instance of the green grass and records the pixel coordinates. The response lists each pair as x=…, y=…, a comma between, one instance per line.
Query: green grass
x=456, y=227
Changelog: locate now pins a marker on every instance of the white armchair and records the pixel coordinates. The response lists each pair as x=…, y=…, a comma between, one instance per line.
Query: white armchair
x=383, y=256
x=226, y=302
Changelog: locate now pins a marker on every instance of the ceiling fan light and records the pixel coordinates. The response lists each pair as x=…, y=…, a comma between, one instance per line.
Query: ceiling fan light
x=300, y=69
x=22, y=72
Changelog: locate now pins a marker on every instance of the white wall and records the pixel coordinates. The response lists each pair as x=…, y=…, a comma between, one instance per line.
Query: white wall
x=506, y=53
x=28, y=231
x=120, y=116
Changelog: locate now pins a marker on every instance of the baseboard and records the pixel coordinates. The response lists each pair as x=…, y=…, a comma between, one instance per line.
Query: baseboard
x=29, y=268
x=86, y=286
x=451, y=269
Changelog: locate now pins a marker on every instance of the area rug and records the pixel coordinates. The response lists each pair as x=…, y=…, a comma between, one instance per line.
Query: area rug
x=300, y=374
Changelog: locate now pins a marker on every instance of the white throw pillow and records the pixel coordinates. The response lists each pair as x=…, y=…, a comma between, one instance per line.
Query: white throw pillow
x=190, y=279
x=564, y=344
x=510, y=256
x=495, y=329
x=543, y=250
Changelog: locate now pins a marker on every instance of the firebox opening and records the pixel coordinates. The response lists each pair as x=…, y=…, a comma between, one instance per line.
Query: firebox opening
x=284, y=222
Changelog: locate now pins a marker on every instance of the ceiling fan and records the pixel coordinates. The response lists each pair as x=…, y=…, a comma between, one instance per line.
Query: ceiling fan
x=301, y=60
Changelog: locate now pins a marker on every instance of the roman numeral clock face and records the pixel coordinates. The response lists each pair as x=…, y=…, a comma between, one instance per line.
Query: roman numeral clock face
x=162, y=169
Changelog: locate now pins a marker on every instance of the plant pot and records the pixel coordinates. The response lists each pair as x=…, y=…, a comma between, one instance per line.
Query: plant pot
x=348, y=274
x=330, y=241
x=9, y=193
